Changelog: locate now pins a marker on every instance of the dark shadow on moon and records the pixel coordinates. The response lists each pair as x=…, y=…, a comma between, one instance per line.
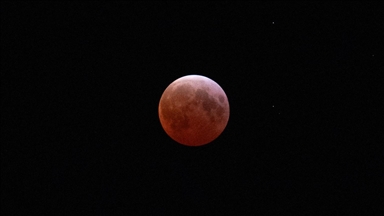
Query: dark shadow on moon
x=192, y=114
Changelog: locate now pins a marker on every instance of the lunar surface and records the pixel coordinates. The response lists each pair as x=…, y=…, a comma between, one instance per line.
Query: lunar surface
x=194, y=110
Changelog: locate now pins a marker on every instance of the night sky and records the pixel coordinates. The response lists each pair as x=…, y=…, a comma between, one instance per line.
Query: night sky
x=81, y=84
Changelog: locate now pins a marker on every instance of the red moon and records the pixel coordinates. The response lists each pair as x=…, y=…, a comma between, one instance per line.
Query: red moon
x=194, y=110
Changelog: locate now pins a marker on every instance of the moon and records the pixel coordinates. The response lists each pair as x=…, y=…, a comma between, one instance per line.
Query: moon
x=194, y=110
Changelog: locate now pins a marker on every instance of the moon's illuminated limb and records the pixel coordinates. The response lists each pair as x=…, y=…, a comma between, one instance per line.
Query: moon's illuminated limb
x=194, y=110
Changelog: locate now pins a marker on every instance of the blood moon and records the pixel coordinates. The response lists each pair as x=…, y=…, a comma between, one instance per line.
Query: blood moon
x=194, y=110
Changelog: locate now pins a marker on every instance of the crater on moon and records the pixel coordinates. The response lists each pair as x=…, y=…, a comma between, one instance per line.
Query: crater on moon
x=221, y=98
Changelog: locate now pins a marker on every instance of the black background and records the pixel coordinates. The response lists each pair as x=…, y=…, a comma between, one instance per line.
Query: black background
x=81, y=84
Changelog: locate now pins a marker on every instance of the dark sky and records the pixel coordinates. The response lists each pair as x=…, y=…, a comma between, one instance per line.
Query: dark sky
x=81, y=83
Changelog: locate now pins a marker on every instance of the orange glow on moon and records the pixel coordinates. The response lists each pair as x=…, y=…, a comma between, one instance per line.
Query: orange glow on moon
x=194, y=110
